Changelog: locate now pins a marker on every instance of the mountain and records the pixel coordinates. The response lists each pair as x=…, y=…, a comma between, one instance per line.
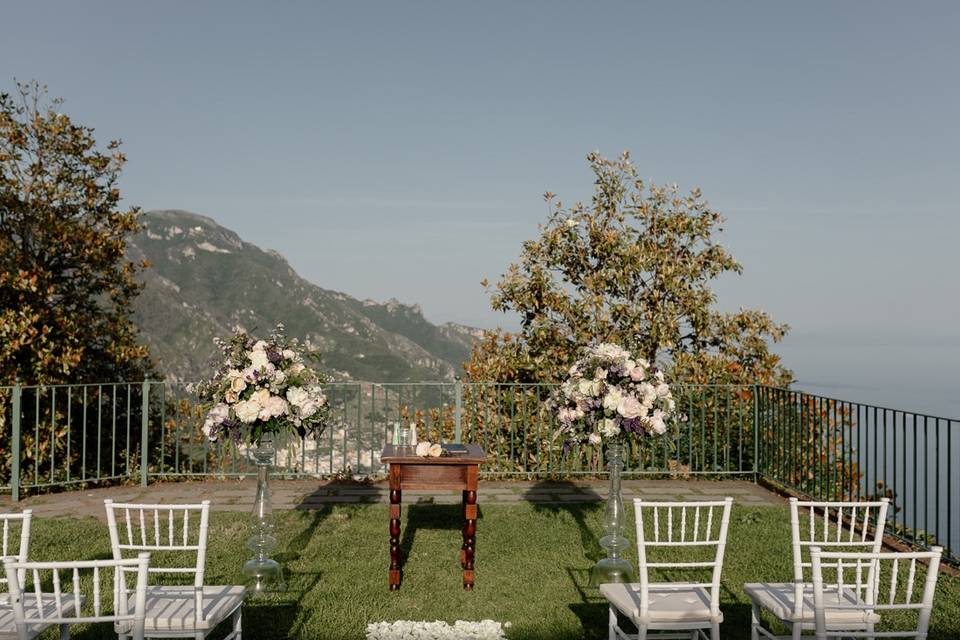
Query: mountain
x=204, y=280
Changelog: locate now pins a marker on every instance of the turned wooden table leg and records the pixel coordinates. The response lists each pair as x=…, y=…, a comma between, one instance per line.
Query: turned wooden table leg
x=469, y=528
x=395, y=497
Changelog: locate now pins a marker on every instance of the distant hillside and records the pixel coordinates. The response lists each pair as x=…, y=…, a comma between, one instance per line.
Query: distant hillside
x=205, y=279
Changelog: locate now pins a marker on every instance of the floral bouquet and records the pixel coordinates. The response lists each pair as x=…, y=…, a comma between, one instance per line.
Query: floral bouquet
x=609, y=394
x=263, y=387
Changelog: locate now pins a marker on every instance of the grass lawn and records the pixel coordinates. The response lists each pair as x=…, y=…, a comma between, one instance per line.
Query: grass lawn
x=532, y=568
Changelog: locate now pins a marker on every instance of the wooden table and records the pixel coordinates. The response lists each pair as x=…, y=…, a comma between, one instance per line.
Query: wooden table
x=410, y=471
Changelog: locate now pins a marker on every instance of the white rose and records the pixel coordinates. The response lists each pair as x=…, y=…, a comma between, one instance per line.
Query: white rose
x=308, y=408
x=613, y=399
x=435, y=450
x=231, y=396
x=638, y=373
x=247, y=411
x=663, y=390
x=260, y=345
x=297, y=396
x=207, y=427
x=237, y=383
x=600, y=374
x=423, y=449
x=671, y=405
x=296, y=368
x=609, y=428
x=571, y=223
x=289, y=354
x=630, y=407
x=594, y=438
x=584, y=387
x=219, y=413
x=648, y=393
x=258, y=359
x=260, y=397
x=274, y=407
x=656, y=422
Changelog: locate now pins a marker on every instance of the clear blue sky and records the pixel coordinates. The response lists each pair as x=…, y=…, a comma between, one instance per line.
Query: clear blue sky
x=400, y=149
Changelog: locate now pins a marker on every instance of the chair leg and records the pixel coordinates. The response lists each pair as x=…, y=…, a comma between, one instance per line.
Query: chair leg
x=64, y=632
x=755, y=622
x=642, y=632
x=612, y=624
x=715, y=631
x=238, y=624
x=797, y=631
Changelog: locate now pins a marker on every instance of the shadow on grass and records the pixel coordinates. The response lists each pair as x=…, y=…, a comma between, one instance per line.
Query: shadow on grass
x=547, y=497
x=431, y=516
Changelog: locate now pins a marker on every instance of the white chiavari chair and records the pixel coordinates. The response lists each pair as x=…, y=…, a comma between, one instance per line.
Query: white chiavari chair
x=674, y=609
x=845, y=526
x=866, y=586
x=191, y=611
x=35, y=610
x=16, y=529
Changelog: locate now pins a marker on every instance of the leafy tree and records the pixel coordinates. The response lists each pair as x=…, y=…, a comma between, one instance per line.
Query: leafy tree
x=634, y=267
x=65, y=284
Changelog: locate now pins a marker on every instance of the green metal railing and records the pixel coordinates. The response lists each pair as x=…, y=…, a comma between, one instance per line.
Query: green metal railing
x=832, y=449
x=60, y=436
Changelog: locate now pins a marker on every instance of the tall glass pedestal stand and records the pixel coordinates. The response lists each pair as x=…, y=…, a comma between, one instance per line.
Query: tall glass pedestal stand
x=263, y=573
x=613, y=568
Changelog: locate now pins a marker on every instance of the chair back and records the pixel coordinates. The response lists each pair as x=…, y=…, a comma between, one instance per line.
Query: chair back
x=161, y=529
x=36, y=606
x=686, y=524
x=880, y=582
x=11, y=523
x=834, y=526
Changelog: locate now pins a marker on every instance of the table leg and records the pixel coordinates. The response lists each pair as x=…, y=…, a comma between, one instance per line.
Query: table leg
x=469, y=528
x=395, y=497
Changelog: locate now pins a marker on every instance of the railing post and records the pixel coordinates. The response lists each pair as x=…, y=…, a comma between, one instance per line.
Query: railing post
x=458, y=409
x=15, y=444
x=144, y=429
x=756, y=433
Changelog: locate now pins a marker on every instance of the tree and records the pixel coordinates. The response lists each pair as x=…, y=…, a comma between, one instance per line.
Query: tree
x=634, y=267
x=65, y=284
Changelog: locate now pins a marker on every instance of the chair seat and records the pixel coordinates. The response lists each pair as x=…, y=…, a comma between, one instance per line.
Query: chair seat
x=170, y=609
x=668, y=604
x=48, y=602
x=779, y=598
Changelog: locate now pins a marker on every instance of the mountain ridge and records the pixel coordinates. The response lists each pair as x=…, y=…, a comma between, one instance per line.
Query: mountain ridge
x=204, y=279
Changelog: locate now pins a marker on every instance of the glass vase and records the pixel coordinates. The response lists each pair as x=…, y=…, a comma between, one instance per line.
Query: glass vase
x=613, y=568
x=264, y=573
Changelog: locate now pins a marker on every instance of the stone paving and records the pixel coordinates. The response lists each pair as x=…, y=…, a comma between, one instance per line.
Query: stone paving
x=238, y=495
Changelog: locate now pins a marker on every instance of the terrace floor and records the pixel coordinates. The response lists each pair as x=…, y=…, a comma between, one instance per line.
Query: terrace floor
x=238, y=495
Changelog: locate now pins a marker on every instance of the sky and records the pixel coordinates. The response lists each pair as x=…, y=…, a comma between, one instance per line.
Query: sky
x=401, y=149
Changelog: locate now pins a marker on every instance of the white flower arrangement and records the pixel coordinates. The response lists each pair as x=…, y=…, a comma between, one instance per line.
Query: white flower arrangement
x=609, y=394
x=438, y=630
x=261, y=387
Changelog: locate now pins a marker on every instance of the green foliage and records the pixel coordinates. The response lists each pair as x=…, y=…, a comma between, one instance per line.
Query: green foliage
x=633, y=268
x=65, y=285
